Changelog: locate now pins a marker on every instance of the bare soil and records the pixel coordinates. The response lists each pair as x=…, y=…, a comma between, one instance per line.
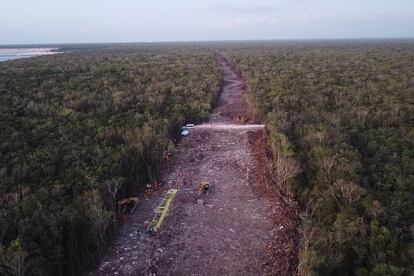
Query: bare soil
x=230, y=232
x=232, y=101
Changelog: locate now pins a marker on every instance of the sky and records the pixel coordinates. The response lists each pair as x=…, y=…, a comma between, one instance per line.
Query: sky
x=86, y=21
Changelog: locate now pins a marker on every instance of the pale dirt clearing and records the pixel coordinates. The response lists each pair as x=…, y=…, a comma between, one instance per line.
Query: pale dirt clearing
x=229, y=127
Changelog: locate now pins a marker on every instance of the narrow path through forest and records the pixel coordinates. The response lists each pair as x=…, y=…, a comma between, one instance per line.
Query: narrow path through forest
x=228, y=233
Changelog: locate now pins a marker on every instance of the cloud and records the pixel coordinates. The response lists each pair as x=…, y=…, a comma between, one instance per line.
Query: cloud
x=226, y=8
x=267, y=20
x=237, y=23
x=252, y=8
x=241, y=9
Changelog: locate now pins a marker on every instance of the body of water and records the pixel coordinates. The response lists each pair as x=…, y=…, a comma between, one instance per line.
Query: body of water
x=16, y=53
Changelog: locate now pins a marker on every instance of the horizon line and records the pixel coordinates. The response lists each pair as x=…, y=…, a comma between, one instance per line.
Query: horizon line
x=201, y=41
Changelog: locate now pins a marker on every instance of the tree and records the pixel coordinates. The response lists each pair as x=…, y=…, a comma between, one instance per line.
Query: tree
x=113, y=186
x=13, y=259
x=100, y=218
x=346, y=192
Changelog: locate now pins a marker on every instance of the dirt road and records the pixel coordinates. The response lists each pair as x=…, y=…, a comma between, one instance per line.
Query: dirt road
x=225, y=235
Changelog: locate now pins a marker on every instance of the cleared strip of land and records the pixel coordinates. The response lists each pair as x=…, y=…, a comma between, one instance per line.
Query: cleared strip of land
x=229, y=127
x=225, y=232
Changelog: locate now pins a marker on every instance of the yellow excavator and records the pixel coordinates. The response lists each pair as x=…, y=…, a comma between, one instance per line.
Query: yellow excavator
x=128, y=205
x=240, y=119
x=204, y=187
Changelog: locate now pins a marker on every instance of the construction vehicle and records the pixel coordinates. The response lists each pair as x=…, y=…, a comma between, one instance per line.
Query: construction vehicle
x=240, y=119
x=151, y=188
x=128, y=205
x=204, y=187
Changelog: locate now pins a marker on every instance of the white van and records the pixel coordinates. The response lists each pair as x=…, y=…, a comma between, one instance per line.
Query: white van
x=184, y=133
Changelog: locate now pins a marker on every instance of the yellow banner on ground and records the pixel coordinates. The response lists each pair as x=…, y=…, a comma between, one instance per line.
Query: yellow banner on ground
x=161, y=211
